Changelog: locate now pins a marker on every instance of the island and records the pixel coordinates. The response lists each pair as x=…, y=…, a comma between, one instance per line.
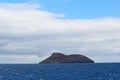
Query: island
x=62, y=58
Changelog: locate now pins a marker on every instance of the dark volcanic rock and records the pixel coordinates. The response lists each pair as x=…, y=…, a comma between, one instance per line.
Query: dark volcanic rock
x=62, y=58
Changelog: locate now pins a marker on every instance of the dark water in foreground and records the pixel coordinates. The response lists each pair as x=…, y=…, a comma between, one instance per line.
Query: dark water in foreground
x=60, y=71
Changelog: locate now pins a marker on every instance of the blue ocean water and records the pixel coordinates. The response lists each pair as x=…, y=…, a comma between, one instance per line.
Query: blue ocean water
x=71, y=71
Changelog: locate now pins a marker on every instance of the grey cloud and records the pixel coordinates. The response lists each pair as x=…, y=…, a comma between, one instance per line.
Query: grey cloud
x=32, y=31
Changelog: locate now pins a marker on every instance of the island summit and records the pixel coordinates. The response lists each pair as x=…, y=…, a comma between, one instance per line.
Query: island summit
x=62, y=58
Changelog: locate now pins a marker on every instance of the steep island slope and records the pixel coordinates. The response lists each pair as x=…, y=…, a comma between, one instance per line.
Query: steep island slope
x=62, y=58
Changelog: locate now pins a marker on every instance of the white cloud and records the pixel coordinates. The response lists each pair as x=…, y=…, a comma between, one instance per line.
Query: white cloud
x=29, y=59
x=20, y=6
x=26, y=29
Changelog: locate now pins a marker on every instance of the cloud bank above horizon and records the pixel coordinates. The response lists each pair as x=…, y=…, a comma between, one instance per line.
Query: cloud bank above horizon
x=26, y=29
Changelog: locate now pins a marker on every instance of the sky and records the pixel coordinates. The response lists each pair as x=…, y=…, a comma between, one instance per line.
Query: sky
x=31, y=30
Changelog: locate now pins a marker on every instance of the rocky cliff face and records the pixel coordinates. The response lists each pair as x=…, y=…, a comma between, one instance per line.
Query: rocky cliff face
x=62, y=58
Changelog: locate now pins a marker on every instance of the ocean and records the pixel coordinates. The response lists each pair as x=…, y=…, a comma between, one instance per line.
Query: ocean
x=64, y=71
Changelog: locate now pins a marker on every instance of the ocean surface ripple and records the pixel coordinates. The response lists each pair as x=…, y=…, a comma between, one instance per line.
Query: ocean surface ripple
x=64, y=71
